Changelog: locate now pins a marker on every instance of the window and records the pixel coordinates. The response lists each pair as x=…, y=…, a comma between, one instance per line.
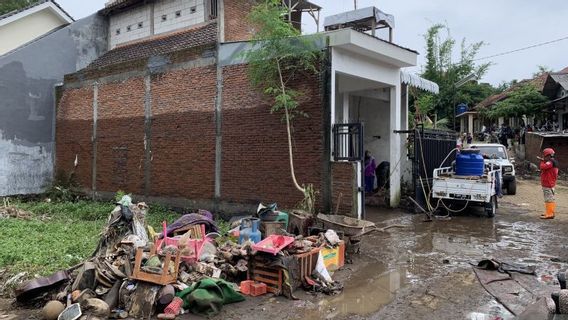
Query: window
x=193, y=9
x=117, y=32
x=129, y=28
x=178, y=13
x=164, y=17
x=140, y=25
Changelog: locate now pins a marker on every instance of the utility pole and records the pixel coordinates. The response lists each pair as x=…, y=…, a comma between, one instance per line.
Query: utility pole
x=355, y=3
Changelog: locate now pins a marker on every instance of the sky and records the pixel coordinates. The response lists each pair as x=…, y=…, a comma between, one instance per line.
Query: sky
x=504, y=25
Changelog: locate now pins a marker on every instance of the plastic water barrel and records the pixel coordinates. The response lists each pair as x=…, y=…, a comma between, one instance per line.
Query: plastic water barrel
x=469, y=163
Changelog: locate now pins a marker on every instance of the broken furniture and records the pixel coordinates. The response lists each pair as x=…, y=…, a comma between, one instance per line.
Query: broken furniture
x=166, y=276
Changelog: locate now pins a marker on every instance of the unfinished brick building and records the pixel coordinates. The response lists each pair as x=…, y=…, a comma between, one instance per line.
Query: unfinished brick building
x=169, y=114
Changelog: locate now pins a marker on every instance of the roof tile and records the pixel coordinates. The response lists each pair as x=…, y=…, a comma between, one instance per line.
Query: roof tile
x=158, y=46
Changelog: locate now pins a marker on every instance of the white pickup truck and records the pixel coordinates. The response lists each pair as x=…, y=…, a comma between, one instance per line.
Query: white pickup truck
x=466, y=190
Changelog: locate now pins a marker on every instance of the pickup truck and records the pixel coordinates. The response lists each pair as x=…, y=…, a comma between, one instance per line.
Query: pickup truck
x=465, y=191
x=496, y=155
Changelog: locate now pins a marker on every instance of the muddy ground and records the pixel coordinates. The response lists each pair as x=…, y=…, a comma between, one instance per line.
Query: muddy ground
x=423, y=271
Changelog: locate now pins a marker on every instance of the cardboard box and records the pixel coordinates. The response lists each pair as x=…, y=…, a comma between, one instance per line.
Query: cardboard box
x=334, y=258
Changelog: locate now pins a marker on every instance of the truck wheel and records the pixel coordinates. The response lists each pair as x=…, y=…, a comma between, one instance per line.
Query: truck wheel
x=512, y=187
x=491, y=207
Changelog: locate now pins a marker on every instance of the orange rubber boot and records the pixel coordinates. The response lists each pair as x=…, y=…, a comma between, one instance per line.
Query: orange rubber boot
x=549, y=211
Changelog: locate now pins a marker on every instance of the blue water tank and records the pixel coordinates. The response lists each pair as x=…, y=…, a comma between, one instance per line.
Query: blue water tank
x=469, y=163
x=461, y=108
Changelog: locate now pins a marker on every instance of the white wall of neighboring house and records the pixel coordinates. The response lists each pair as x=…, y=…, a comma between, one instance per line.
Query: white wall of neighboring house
x=178, y=14
x=125, y=26
x=29, y=25
x=155, y=18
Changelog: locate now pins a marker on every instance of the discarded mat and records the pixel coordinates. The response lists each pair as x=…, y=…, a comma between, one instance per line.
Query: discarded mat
x=514, y=286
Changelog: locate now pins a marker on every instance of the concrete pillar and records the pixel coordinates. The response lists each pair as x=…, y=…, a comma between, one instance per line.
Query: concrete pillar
x=470, y=124
x=346, y=99
x=500, y=121
x=395, y=154
x=462, y=124
x=94, y=139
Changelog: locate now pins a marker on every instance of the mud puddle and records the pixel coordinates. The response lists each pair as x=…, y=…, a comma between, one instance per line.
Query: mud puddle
x=365, y=292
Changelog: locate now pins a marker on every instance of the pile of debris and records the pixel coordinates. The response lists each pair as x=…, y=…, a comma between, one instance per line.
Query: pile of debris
x=190, y=267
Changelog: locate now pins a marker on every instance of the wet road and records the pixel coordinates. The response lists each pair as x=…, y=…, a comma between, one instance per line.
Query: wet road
x=423, y=271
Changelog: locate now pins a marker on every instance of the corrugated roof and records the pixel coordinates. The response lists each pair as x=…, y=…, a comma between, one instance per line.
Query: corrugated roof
x=419, y=82
x=158, y=46
x=561, y=79
x=15, y=12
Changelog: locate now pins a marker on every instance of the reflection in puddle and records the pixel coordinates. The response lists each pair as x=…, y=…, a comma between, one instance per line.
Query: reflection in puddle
x=366, y=292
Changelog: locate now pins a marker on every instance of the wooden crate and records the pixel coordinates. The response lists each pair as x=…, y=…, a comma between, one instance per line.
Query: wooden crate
x=271, y=276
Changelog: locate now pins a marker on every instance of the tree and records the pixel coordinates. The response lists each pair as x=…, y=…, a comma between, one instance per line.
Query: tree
x=523, y=100
x=11, y=5
x=279, y=55
x=541, y=71
x=441, y=69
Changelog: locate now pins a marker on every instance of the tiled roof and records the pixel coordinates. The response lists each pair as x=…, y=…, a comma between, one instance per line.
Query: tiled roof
x=116, y=5
x=537, y=82
x=158, y=46
x=15, y=12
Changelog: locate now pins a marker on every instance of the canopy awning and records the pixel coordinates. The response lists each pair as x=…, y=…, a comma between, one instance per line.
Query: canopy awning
x=419, y=82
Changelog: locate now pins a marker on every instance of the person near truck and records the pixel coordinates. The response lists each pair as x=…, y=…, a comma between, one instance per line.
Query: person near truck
x=548, y=177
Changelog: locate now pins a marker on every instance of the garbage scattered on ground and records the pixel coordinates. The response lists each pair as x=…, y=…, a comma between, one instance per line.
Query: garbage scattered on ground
x=191, y=267
x=7, y=212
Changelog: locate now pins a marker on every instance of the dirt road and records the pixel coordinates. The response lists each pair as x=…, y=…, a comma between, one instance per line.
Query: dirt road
x=423, y=271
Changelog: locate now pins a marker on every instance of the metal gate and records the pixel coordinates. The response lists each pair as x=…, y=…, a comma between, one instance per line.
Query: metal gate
x=348, y=146
x=429, y=150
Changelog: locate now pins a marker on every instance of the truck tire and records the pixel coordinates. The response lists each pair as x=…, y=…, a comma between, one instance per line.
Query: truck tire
x=491, y=207
x=512, y=187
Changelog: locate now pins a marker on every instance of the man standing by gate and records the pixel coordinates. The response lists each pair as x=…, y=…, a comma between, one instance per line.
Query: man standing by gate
x=548, y=177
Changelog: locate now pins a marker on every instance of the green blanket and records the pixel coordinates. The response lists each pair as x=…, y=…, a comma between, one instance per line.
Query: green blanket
x=207, y=297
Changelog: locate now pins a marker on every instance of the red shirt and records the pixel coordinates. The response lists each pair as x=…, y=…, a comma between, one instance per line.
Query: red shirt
x=548, y=173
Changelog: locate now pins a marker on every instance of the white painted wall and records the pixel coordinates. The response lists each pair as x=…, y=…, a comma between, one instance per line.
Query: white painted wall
x=28, y=28
x=166, y=16
x=191, y=12
x=119, y=23
x=375, y=115
x=24, y=169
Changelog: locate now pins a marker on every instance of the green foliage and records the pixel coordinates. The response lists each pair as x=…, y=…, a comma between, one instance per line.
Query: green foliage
x=279, y=55
x=441, y=69
x=542, y=70
x=523, y=100
x=11, y=5
x=64, y=188
x=59, y=235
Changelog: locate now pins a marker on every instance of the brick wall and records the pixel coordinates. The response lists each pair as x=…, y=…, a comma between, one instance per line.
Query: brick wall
x=120, y=136
x=343, y=187
x=73, y=134
x=255, y=164
x=237, y=27
x=183, y=133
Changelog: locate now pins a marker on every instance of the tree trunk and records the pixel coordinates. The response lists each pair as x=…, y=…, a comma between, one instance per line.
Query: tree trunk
x=291, y=154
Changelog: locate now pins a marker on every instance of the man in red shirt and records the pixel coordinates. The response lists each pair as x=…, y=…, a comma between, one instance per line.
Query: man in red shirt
x=548, y=177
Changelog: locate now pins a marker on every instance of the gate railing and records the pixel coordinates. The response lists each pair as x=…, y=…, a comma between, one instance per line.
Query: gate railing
x=348, y=142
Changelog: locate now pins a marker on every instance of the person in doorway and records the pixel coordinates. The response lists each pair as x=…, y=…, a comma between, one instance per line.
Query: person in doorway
x=370, y=167
x=548, y=177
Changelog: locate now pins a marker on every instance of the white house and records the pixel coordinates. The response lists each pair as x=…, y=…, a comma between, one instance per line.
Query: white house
x=20, y=27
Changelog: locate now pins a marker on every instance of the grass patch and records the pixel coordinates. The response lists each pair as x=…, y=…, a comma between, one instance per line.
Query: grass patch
x=59, y=235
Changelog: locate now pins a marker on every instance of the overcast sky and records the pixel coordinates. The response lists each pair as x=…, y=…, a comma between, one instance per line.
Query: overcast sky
x=503, y=24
